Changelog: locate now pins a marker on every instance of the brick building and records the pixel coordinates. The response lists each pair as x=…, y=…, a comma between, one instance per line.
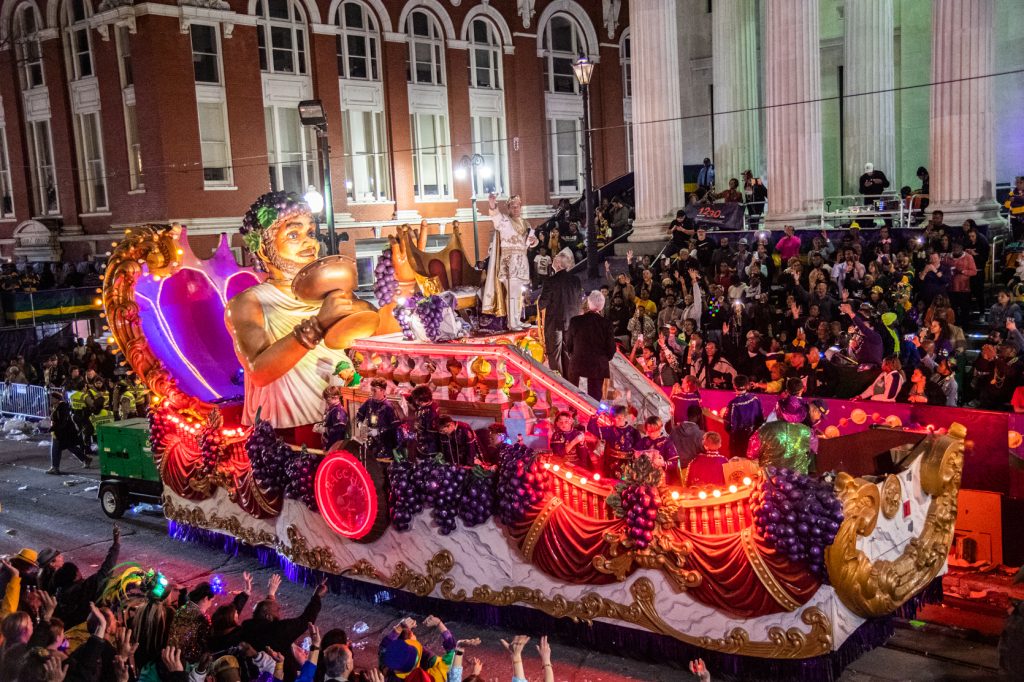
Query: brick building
x=116, y=113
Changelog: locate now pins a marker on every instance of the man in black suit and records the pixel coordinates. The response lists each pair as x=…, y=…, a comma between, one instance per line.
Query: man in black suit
x=560, y=298
x=590, y=343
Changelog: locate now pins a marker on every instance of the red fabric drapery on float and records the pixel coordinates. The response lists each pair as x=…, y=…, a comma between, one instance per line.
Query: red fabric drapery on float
x=564, y=544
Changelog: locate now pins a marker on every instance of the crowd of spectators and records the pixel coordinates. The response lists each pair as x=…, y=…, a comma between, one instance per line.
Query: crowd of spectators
x=30, y=277
x=876, y=316
x=57, y=625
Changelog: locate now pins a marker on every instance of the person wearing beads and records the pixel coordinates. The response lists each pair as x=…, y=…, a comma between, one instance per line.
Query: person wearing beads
x=278, y=337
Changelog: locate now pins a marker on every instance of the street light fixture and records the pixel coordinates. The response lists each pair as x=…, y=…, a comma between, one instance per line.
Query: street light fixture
x=315, y=201
x=470, y=164
x=583, y=69
x=312, y=115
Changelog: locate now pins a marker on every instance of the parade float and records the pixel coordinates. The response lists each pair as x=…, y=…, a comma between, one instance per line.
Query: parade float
x=781, y=563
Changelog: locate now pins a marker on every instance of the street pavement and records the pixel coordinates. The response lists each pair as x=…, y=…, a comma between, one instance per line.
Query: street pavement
x=38, y=510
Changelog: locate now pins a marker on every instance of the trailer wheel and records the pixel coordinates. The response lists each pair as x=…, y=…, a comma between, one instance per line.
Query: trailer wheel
x=113, y=499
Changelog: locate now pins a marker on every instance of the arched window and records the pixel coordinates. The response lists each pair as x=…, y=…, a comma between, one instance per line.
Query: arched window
x=281, y=32
x=75, y=21
x=26, y=40
x=358, y=42
x=426, y=48
x=484, y=55
x=563, y=43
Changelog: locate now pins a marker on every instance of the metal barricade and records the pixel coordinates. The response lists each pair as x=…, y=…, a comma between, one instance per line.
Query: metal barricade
x=24, y=400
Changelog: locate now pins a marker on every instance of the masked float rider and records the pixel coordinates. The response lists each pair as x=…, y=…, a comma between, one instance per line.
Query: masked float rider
x=380, y=421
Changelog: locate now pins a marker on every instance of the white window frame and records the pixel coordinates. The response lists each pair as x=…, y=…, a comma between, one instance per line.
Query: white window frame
x=74, y=29
x=219, y=54
x=6, y=187
x=131, y=131
x=493, y=48
x=275, y=165
x=227, y=180
x=40, y=166
x=440, y=157
x=122, y=40
x=435, y=44
x=555, y=186
x=29, y=51
x=295, y=24
x=626, y=59
x=91, y=166
x=496, y=160
x=360, y=187
x=370, y=34
x=550, y=55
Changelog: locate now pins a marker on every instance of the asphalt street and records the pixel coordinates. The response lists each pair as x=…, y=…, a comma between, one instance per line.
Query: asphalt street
x=63, y=512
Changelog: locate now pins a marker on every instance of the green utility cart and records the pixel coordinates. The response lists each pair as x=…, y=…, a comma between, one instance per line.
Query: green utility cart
x=128, y=473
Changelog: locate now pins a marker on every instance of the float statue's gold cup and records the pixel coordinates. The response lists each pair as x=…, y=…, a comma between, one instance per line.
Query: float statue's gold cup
x=337, y=273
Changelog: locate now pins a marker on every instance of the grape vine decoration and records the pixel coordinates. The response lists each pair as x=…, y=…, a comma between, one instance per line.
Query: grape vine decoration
x=300, y=471
x=385, y=284
x=522, y=482
x=797, y=515
x=637, y=499
x=269, y=456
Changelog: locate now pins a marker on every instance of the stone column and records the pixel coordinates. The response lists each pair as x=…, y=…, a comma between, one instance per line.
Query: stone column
x=736, y=73
x=868, y=74
x=962, y=160
x=793, y=116
x=657, y=123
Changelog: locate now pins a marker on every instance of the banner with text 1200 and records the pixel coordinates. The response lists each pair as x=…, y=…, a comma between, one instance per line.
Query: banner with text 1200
x=727, y=216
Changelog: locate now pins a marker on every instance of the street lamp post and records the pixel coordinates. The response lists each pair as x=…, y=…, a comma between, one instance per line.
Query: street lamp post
x=311, y=114
x=583, y=69
x=472, y=163
x=315, y=201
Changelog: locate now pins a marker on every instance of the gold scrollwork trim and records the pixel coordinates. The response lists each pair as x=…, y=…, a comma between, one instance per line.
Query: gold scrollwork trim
x=877, y=588
x=764, y=575
x=194, y=516
x=791, y=643
x=892, y=493
x=538, y=525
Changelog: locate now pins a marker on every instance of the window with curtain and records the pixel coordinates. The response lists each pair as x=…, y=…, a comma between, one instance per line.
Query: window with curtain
x=566, y=164
x=290, y=150
x=28, y=51
x=366, y=161
x=484, y=55
x=432, y=168
x=281, y=36
x=426, y=48
x=358, y=42
x=90, y=159
x=562, y=44
x=124, y=56
x=76, y=39
x=131, y=129
x=213, y=138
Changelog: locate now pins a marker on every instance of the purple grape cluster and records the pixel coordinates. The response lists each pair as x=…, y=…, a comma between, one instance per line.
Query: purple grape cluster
x=797, y=515
x=211, y=443
x=522, y=482
x=404, y=497
x=157, y=430
x=301, y=473
x=445, y=485
x=640, y=504
x=268, y=456
x=402, y=313
x=431, y=310
x=385, y=285
x=478, y=497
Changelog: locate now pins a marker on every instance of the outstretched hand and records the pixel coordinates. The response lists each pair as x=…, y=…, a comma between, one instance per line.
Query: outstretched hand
x=519, y=642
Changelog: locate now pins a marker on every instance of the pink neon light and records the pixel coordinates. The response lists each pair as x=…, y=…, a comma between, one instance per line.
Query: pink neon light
x=324, y=487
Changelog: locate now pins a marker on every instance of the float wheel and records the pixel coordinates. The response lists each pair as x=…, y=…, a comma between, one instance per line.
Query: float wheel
x=351, y=497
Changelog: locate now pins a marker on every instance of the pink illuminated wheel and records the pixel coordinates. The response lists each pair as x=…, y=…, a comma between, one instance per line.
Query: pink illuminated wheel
x=351, y=498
